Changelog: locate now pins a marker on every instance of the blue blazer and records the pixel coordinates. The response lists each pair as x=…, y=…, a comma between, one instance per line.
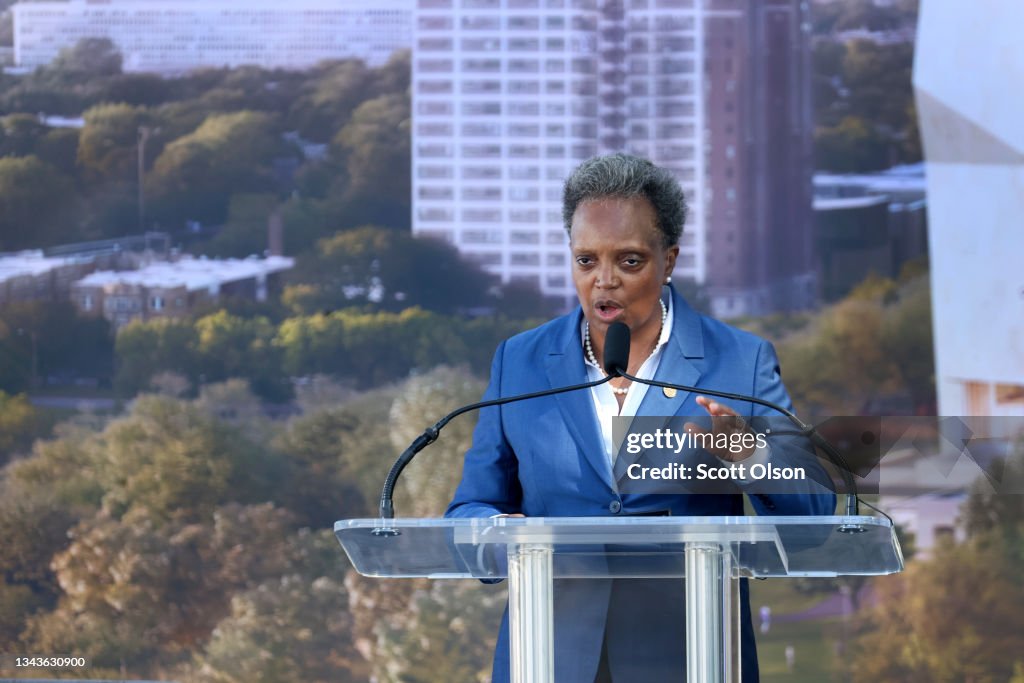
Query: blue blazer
x=544, y=458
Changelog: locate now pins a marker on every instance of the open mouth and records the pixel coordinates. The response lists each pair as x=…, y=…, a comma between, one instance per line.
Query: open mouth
x=608, y=310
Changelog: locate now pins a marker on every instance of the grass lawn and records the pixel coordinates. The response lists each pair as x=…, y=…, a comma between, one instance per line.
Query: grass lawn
x=780, y=595
x=814, y=642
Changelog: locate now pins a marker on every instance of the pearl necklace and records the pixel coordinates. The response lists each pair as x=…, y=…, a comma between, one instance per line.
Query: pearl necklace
x=621, y=391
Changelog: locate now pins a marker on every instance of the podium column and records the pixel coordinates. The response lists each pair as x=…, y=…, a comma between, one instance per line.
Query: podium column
x=531, y=613
x=709, y=646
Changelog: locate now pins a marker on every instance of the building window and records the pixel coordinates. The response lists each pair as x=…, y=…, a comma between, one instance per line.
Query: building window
x=481, y=87
x=430, y=172
x=434, y=192
x=523, y=44
x=523, y=194
x=516, y=23
x=481, y=65
x=429, y=44
x=481, y=237
x=434, y=214
x=434, y=129
x=485, y=259
x=556, y=281
x=481, y=108
x=524, y=151
x=525, y=216
x=524, y=237
x=435, y=23
x=523, y=109
x=481, y=44
x=525, y=259
x=523, y=87
x=435, y=65
x=482, y=216
x=478, y=129
x=481, y=23
x=481, y=151
x=434, y=108
x=481, y=193
x=480, y=173
x=524, y=173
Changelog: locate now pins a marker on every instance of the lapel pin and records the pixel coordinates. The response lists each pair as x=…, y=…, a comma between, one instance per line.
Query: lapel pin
x=669, y=392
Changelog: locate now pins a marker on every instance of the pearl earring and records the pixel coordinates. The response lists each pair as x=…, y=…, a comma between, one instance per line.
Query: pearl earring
x=668, y=279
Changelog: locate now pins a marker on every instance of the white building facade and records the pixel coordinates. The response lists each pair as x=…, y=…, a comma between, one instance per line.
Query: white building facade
x=970, y=115
x=509, y=96
x=174, y=36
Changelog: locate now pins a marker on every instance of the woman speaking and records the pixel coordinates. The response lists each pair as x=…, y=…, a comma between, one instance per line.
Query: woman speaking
x=554, y=457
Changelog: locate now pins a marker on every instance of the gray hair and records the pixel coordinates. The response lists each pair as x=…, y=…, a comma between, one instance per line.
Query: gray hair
x=625, y=176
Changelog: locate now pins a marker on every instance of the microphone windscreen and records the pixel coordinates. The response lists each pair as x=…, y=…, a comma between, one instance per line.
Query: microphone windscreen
x=616, y=349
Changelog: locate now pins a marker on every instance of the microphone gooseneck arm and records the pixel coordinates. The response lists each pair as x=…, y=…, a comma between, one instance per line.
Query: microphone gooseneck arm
x=429, y=436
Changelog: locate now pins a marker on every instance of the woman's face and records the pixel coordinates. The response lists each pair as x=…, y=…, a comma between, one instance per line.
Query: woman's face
x=620, y=264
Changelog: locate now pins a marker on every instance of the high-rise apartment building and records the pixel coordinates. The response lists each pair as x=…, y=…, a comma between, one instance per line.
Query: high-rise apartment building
x=174, y=36
x=510, y=95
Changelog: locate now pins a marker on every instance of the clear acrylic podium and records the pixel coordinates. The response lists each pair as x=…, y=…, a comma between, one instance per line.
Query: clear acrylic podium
x=712, y=553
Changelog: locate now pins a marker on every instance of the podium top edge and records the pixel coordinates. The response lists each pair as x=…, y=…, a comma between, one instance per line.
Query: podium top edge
x=569, y=522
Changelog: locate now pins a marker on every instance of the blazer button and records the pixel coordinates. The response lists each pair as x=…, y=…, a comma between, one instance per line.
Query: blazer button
x=614, y=507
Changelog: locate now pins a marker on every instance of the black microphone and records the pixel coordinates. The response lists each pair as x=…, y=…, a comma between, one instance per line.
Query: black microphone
x=620, y=330
x=614, y=353
x=616, y=350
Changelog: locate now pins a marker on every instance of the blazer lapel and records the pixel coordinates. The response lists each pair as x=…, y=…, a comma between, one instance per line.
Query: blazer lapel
x=679, y=361
x=564, y=366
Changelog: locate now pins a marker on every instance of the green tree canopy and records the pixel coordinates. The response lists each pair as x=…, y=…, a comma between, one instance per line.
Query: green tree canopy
x=388, y=269
x=36, y=201
x=20, y=134
x=375, y=145
x=109, y=142
x=229, y=153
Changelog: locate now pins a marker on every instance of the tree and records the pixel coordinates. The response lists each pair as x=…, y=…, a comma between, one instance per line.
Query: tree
x=245, y=231
x=388, y=269
x=957, y=617
x=35, y=202
x=426, y=486
x=906, y=340
x=19, y=424
x=20, y=134
x=229, y=153
x=375, y=145
x=109, y=143
x=144, y=349
x=140, y=593
x=850, y=146
x=295, y=627
x=86, y=59
x=231, y=346
x=139, y=89
x=59, y=147
x=34, y=526
x=994, y=511
x=47, y=338
x=319, y=449
x=328, y=98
